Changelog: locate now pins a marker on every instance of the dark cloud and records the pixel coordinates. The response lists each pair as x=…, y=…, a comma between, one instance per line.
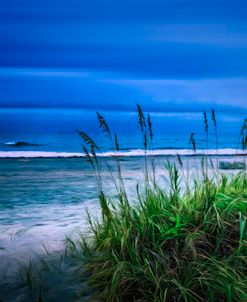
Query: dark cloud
x=154, y=60
x=56, y=88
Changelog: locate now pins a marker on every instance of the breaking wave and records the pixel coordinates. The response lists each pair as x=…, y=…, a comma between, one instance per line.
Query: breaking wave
x=19, y=144
x=128, y=153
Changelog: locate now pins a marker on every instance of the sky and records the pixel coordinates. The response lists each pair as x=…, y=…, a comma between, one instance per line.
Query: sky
x=167, y=55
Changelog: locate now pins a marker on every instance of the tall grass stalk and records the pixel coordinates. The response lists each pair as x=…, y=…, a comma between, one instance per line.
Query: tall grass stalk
x=214, y=120
x=91, y=156
x=192, y=144
x=143, y=128
x=115, y=145
x=205, y=119
x=151, y=135
x=243, y=137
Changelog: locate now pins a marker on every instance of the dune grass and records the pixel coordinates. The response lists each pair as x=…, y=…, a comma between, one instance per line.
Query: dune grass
x=170, y=244
x=168, y=247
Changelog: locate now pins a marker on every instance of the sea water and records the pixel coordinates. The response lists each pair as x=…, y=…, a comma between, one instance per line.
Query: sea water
x=47, y=185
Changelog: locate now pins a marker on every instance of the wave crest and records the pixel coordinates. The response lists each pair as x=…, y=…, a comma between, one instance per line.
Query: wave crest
x=130, y=153
x=20, y=144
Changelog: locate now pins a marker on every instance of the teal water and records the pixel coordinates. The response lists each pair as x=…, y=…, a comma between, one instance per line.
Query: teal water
x=45, y=198
x=42, y=200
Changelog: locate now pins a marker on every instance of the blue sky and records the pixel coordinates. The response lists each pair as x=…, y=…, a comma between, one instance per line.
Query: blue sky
x=108, y=55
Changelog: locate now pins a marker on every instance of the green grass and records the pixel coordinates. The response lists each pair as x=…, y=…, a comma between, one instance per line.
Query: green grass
x=170, y=244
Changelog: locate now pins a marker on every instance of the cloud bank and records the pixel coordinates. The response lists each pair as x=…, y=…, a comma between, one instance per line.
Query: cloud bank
x=167, y=55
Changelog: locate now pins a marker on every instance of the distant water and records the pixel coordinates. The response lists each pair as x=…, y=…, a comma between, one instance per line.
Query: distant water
x=55, y=130
x=45, y=189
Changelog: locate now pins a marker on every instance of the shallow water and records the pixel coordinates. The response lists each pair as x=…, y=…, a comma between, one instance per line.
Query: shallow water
x=42, y=200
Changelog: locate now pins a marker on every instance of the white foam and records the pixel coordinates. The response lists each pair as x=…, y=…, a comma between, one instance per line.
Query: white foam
x=10, y=143
x=174, y=152
x=37, y=154
x=129, y=153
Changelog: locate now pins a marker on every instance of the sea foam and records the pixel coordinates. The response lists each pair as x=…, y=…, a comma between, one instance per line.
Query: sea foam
x=129, y=153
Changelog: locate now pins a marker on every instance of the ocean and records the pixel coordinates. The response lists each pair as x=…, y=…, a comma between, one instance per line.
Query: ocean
x=54, y=130
x=46, y=185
